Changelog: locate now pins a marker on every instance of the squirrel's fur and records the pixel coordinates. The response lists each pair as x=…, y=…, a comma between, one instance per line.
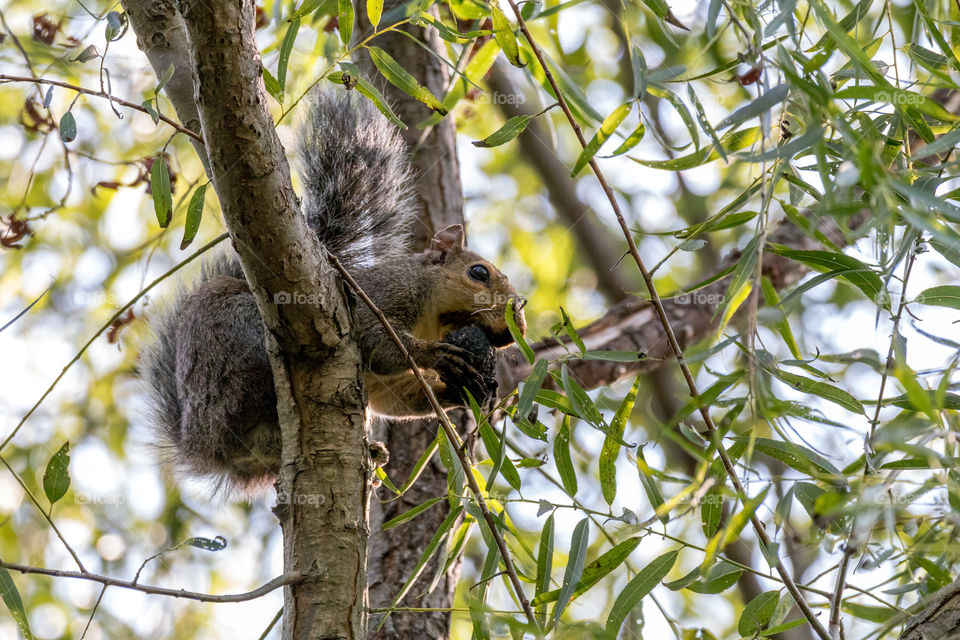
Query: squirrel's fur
x=208, y=383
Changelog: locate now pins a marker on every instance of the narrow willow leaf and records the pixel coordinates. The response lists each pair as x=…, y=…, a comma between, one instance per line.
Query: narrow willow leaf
x=160, y=188
x=286, y=47
x=368, y=91
x=544, y=564
x=756, y=615
x=406, y=516
x=731, y=142
x=442, y=531
x=11, y=598
x=742, y=282
x=638, y=587
x=576, y=558
x=630, y=142
x=609, y=125
x=803, y=459
x=581, y=402
x=821, y=389
x=771, y=298
x=611, y=444
x=650, y=486
x=731, y=531
x=530, y=388
x=503, y=33
x=68, y=127
x=572, y=331
x=305, y=9
x=561, y=455
x=943, y=296
x=56, y=478
x=759, y=106
x=595, y=571
x=194, y=213
x=898, y=97
x=498, y=453
x=704, y=122
x=516, y=334
x=944, y=143
x=164, y=79
x=720, y=578
x=374, y=11
x=510, y=130
x=345, y=20
x=272, y=86
x=401, y=78
x=859, y=275
x=207, y=544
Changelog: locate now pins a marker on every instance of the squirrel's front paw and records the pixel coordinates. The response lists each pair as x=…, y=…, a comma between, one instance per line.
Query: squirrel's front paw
x=468, y=362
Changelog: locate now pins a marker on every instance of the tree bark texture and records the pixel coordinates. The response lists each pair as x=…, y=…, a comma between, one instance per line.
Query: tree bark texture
x=323, y=487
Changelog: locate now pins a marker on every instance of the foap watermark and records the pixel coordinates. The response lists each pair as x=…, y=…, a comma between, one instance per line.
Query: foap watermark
x=497, y=97
x=112, y=499
x=95, y=298
x=488, y=300
x=699, y=298
x=296, y=297
x=312, y=499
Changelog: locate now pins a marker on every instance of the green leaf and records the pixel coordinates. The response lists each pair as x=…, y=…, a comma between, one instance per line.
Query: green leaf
x=859, y=275
x=164, y=79
x=795, y=456
x=194, y=213
x=720, y=578
x=56, y=478
x=561, y=455
x=609, y=125
x=411, y=513
x=756, y=615
x=759, y=106
x=630, y=142
x=367, y=90
x=516, y=334
x=742, y=282
x=216, y=544
x=943, y=296
x=401, y=78
x=612, y=442
x=944, y=143
x=822, y=389
x=160, y=188
x=11, y=597
x=638, y=587
x=582, y=404
x=897, y=97
x=68, y=127
x=442, y=531
x=530, y=388
x=345, y=20
x=576, y=558
x=510, y=130
x=734, y=141
x=545, y=556
x=503, y=33
x=595, y=571
x=286, y=47
x=497, y=450
x=374, y=11
x=305, y=9
x=270, y=84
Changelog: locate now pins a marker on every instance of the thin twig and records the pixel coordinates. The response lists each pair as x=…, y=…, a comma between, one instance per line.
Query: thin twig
x=103, y=94
x=453, y=438
x=283, y=580
x=704, y=409
x=272, y=624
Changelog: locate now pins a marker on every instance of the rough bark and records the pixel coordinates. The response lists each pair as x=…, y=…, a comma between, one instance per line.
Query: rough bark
x=323, y=485
x=940, y=620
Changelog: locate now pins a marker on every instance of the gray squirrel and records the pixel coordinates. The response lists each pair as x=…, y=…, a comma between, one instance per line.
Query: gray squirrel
x=208, y=383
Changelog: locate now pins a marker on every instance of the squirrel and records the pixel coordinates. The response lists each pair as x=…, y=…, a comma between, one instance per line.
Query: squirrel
x=208, y=383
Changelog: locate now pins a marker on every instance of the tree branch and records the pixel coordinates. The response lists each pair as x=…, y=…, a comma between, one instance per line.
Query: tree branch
x=283, y=580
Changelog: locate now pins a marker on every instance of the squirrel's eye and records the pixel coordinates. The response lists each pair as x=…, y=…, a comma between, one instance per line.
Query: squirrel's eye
x=479, y=272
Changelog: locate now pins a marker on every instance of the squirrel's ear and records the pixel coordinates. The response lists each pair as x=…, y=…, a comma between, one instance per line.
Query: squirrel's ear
x=448, y=238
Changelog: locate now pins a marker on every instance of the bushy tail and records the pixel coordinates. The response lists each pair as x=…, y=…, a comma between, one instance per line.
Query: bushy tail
x=357, y=182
